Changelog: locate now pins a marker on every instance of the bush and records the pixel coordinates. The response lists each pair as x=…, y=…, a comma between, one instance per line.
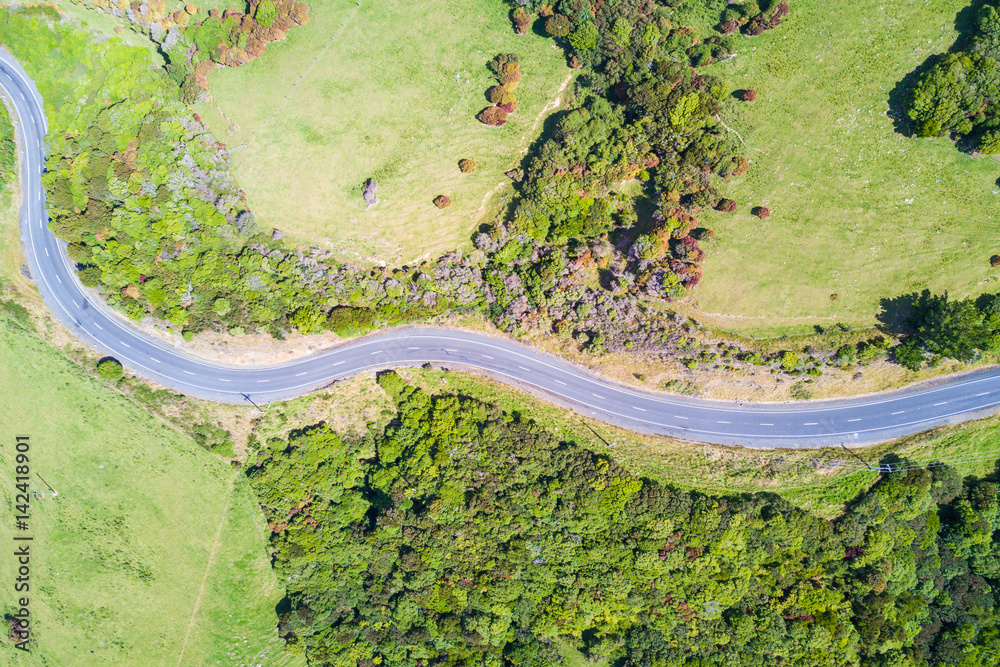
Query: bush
x=442, y=201
x=347, y=321
x=510, y=79
x=213, y=438
x=762, y=212
x=748, y=95
x=467, y=166
x=110, y=369
x=789, y=360
x=558, y=25
x=495, y=94
x=510, y=107
x=494, y=116
x=266, y=12
x=522, y=20
x=995, y=261
x=726, y=205
x=742, y=166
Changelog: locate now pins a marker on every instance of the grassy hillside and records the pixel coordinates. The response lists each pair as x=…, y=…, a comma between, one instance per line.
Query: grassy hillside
x=386, y=90
x=148, y=551
x=858, y=209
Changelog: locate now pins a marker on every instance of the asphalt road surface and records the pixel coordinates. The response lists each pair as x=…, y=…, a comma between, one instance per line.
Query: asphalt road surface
x=852, y=421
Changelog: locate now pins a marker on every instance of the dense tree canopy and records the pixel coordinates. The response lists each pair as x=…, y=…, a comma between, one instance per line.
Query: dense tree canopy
x=464, y=535
x=960, y=92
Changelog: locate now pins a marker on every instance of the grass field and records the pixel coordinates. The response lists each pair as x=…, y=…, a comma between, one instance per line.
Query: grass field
x=148, y=552
x=387, y=90
x=858, y=210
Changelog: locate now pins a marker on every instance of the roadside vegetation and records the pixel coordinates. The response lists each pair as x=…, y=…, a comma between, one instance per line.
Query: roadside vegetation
x=485, y=538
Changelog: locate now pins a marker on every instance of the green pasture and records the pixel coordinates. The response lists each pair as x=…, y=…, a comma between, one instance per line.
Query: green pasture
x=387, y=90
x=857, y=209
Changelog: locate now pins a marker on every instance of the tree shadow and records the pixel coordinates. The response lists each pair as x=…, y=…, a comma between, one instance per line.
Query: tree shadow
x=895, y=312
x=901, y=123
x=966, y=24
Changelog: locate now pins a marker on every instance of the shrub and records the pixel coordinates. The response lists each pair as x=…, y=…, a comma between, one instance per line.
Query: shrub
x=495, y=94
x=742, y=166
x=789, y=360
x=989, y=143
x=558, y=25
x=726, y=205
x=510, y=79
x=748, y=95
x=213, y=438
x=442, y=201
x=110, y=369
x=729, y=27
x=492, y=116
x=266, y=12
x=347, y=321
x=522, y=21
x=500, y=62
x=995, y=261
x=510, y=107
x=467, y=166
x=762, y=212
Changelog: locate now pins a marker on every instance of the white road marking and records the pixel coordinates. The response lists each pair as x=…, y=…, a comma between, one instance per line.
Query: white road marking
x=854, y=420
x=983, y=394
x=898, y=413
x=126, y=344
x=154, y=359
x=376, y=352
x=811, y=424
x=413, y=348
x=524, y=369
x=679, y=417
x=98, y=326
x=448, y=349
x=487, y=357
x=224, y=380
x=189, y=372
x=767, y=424
x=339, y=363
x=59, y=279
x=46, y=252
x=301, y=374
x=941, y=403
x=600, y=397
x=721, y=422
x=639, y=409
x=75, y=303
x=562, y=383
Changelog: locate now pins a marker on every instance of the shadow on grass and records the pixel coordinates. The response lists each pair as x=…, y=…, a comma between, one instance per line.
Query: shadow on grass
x=896, y=312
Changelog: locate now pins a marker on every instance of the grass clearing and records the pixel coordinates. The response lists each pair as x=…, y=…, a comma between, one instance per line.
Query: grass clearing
x=858, y=209
x=386, y=90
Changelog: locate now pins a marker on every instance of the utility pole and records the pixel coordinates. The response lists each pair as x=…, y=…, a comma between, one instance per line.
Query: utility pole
x=868, y=465
x=263, y=412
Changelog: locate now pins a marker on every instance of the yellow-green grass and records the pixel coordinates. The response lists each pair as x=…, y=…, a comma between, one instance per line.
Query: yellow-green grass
x=147, y=538
x=857, y=209
x=972, y=448
x=387, y=90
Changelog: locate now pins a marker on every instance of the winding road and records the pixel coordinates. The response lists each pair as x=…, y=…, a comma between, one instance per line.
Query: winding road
x=854, y=421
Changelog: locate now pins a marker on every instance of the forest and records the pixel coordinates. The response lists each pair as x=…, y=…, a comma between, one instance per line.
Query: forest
x=461, y=534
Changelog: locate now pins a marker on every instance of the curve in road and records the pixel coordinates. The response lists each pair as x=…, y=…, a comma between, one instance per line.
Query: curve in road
x=853, y=421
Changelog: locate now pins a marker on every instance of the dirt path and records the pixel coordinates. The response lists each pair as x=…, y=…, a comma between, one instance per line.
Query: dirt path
x=208, y=567
x=548, y=108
